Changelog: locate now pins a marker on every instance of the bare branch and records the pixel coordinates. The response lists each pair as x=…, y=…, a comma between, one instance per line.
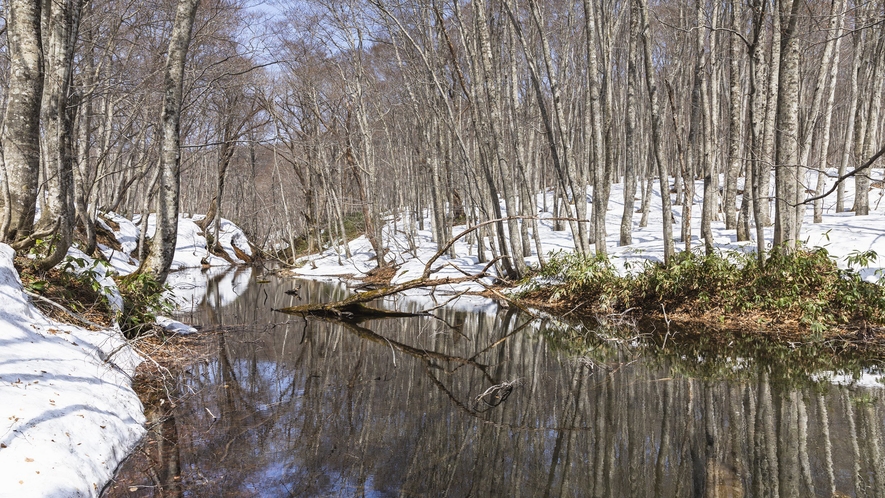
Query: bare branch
x=846, y=176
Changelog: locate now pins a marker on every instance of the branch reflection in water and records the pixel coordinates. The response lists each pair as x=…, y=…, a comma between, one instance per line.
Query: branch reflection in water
x=499, y=405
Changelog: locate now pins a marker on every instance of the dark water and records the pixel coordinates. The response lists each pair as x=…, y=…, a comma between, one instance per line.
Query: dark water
x=288, y=407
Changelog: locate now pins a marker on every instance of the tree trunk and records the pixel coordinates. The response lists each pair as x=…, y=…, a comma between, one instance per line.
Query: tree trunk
x=645, y=205
x=768, y=141
x=577, y=184
x=757, y=106
x=21, y=122
x=656, y=125
x=83, y=175
x=862, y=181
x=522, y=142
x=82, y=107
x=735, y=124
x=707, y=109
x=162, y=250
x=831, y=57
x=225, y=155
x=57, y=216
x=554, y=131
x=786, y=228
x=744, y=216
x=597, y=160
x=511, y=246
x=684, y=171
x=630, y=142
x=851, y=119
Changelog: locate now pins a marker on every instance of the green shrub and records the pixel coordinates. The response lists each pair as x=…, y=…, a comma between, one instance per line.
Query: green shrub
x=699, y=278
x=143, y=299
x=803, y=284
x=591, y=278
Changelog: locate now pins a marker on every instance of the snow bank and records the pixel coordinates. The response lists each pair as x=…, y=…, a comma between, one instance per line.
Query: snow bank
x=68, y=414
x=840, y=233
x=231, y=238
x=191, y=249
x=80, y=263
x=410, y=263
x=126, y=234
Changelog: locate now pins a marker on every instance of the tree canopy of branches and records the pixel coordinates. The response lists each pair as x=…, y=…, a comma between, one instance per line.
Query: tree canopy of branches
x=332, y=117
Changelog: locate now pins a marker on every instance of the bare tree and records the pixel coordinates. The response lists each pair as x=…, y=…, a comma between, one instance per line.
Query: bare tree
x=831, y=59
x=162, y=250
x=656, y=124
x=594, y=115
x=58, y=215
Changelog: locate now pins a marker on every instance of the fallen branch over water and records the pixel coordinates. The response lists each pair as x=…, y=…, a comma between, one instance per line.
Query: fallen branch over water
x=354, y=307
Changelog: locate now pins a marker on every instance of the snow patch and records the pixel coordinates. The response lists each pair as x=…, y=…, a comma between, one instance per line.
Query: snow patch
x=174, y=326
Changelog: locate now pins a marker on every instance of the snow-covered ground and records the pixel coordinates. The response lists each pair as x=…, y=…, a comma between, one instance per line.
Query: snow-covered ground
x=68, y=414
x=840, y=233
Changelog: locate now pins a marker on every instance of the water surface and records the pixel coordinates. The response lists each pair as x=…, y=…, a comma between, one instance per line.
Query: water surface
x=483, y=403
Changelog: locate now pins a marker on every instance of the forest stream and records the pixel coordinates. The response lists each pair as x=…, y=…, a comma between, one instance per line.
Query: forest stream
x=485, y=402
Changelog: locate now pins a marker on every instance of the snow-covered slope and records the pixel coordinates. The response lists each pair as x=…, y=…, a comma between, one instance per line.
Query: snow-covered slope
x=68, y=414
x=191, y=250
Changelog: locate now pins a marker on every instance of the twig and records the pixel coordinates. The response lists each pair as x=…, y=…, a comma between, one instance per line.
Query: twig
x=497, y=394
x=65, y=310
x=214, y=418
x=844, y=177
x=392, y=350
x=667, y=321
x=438, y=306
x=569, y=312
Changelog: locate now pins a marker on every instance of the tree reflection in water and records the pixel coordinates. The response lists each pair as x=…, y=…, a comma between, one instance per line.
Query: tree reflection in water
x=396, y=407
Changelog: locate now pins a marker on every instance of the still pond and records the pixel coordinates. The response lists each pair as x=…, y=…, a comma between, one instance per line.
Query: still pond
x=485, y=401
